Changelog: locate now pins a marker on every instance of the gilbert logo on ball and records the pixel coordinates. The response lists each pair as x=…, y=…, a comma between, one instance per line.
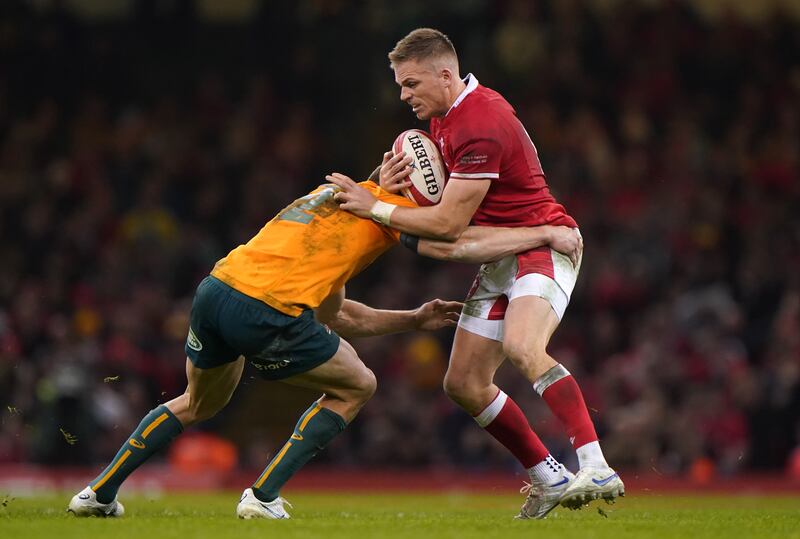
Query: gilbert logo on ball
x=427, y=167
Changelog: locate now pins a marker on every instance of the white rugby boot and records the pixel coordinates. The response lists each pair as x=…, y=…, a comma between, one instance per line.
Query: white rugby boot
x=543, y=498
x=251, y=507
x=593, y=483
x=85, y=504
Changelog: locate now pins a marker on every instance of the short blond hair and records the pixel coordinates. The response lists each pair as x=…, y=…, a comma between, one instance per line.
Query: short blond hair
x=422, y=44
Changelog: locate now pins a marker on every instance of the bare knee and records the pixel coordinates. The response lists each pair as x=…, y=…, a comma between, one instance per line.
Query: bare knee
x=360, y=388
x=468, y=393
x=528, y=356
x=366, y=386
x=455, y=386
x=347, y=402
x=204, y=413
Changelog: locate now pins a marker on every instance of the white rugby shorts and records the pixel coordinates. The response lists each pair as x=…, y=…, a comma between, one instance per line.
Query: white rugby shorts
x=540, y=272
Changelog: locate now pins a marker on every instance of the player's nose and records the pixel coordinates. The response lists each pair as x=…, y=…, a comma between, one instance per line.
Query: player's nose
x=405, y=95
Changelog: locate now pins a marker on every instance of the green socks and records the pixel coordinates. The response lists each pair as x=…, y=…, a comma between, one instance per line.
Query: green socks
x=316, y=427
x=156, y=431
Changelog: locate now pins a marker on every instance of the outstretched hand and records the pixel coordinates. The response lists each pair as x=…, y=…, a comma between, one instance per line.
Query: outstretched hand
x=352, y=197
x=437, y=314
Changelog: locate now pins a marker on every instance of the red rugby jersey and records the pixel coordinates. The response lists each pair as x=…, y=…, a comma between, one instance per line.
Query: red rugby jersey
x=481, y=138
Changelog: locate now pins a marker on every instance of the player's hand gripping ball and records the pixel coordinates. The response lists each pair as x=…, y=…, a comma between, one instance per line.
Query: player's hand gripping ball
x=428, y=173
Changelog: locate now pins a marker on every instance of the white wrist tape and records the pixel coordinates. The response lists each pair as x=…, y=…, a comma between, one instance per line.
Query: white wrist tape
x=382, y=212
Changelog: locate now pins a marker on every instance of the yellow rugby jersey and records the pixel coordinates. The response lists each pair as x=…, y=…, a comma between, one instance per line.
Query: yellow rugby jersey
x=309, y=250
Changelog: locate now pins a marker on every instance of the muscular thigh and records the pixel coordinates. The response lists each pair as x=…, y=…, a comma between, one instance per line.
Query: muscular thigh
x=207, y=391
x=342, y=372
x=216, y=384
x=474, y=356
x=530, y=320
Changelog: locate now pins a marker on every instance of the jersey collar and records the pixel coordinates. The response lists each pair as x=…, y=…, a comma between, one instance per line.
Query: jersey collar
x=472, y=82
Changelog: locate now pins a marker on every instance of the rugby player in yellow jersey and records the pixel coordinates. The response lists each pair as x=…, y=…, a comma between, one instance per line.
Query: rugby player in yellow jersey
x=267, y=302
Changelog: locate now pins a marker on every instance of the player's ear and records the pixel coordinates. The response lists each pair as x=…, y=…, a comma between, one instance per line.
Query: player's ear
x=449, y=75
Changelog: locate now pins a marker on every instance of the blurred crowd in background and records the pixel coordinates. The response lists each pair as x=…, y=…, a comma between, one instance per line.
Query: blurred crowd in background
x=136, y=151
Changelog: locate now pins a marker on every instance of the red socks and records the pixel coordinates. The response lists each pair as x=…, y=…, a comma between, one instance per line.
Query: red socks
x=561, y=393
x=504, y=420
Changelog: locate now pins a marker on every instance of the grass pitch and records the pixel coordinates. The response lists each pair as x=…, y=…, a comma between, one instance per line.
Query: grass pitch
x=408, y=516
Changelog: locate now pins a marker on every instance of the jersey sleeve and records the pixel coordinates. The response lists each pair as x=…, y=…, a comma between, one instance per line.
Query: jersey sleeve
x=477, y=159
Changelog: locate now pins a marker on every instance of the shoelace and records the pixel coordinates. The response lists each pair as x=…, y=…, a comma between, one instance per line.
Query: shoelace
x=532, y=491
x=529, y=489
x=285, y=501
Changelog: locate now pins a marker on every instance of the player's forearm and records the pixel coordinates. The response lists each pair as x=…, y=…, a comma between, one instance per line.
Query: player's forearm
x=480, y=244
x=432, y=222
x=358, y=320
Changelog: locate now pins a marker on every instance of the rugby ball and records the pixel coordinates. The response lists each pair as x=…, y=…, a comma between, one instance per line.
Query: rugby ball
x=428, y=173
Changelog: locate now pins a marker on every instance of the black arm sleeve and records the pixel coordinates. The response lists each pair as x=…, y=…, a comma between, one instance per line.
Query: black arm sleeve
x=410, y=241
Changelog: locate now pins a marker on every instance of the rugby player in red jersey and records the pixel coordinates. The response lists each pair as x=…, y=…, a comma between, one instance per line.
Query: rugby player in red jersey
x=516, y=303
x=278, y=303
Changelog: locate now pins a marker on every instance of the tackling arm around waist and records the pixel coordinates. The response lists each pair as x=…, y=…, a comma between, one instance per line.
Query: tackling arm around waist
x=479, y=244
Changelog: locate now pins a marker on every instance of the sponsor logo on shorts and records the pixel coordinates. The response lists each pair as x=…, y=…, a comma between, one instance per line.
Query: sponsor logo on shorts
x=136, y=443
x=271, y=366
x=193, y=342
x=296, y=436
